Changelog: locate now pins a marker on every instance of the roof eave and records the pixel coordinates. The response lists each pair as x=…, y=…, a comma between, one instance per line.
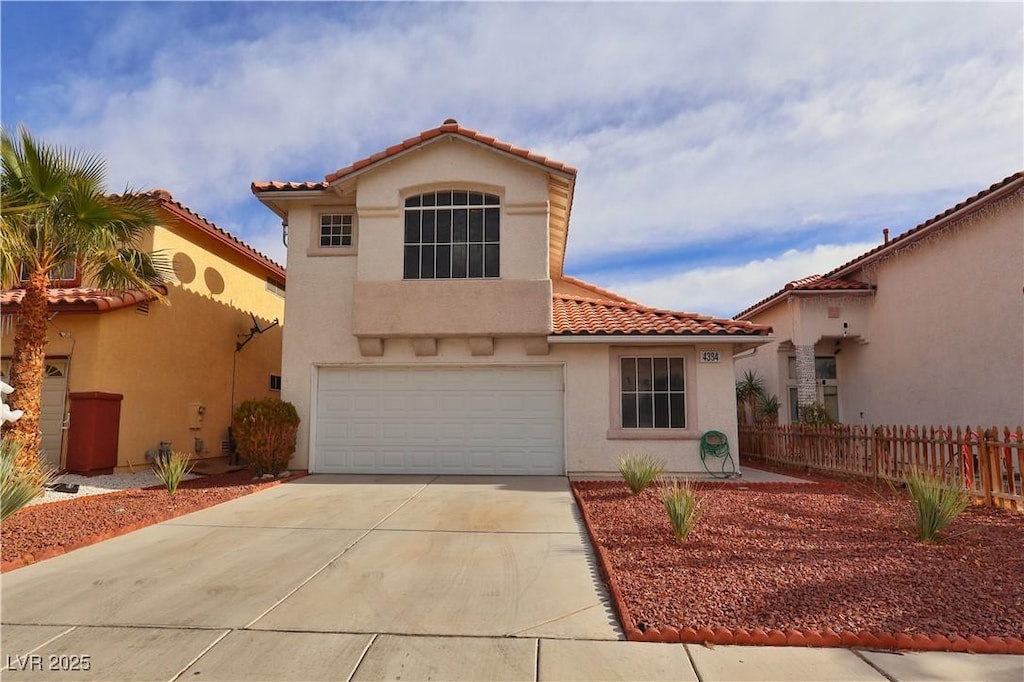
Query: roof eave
x=663, y=339
x=923, y=230
x=800, y=293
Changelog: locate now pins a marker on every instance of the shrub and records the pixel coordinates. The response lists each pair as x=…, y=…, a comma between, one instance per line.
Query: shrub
x=936, y=503
x=683, y=507
x=264, y=432
x=815, y=414
x=639, y=469
x=171, y=469
x=20, y=483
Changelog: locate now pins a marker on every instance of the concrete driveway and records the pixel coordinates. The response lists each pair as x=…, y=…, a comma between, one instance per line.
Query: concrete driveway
x=359, y=578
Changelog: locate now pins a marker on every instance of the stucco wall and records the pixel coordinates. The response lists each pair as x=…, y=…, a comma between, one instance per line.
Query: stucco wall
x=588, y=397
x=947, y=329
x=177, y=354
x=944, y=330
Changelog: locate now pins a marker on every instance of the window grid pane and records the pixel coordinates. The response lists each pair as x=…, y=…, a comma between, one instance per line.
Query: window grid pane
x=450, y=234
x=336, y=230
x=652, y=392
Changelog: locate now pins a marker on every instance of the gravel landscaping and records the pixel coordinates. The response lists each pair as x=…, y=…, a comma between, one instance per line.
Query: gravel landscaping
x=830, y=555
x=43, y=530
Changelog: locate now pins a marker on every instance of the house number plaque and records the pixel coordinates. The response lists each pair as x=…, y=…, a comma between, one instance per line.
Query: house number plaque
x=710, y=356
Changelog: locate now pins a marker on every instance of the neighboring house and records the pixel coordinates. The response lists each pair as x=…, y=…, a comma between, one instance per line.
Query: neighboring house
x=926, y=328
x=175, y=365
x=431, y=328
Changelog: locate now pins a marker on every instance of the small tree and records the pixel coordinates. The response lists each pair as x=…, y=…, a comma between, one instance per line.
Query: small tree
x=768, y=410
x=265, y=432
x=749, y=390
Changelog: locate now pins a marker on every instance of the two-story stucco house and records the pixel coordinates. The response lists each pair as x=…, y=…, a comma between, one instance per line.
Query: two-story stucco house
x=926, y=328
x=174, y=370
x=431, y=328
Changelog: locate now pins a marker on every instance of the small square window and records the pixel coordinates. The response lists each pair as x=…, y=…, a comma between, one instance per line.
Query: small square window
x=275, y=382
x=336, y=230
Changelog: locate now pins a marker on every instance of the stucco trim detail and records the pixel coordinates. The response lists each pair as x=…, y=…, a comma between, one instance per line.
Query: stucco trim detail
x=371, y=347
x=481, y=345
x=423, y=347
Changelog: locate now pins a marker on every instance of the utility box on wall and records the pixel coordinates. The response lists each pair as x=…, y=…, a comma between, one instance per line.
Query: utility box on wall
x=93, y=433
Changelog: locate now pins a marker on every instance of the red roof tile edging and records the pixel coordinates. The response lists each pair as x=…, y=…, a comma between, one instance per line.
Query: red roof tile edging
x=449, y=127
x=582, y=316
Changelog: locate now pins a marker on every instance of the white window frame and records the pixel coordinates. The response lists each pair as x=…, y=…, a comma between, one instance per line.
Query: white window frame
x=271, y=382
x=349, y=221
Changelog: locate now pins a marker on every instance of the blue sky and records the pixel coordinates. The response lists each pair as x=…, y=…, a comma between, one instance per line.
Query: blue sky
x=723, y=149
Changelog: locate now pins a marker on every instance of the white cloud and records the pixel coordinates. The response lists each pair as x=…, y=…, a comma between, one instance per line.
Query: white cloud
x=726, y=290
x=689, y=122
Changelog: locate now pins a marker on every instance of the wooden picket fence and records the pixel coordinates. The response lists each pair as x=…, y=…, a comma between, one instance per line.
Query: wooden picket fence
x=988, y=463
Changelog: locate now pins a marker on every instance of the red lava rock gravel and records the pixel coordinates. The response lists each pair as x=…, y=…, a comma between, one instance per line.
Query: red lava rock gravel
x=44, y=530
x=809, y=561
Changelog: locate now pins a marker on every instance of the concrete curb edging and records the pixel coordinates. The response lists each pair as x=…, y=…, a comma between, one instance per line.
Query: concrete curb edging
x=863, y=639
x=29, y=559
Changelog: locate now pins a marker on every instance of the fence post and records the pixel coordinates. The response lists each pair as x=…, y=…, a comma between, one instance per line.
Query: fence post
x=983, y=464
x=992, y=455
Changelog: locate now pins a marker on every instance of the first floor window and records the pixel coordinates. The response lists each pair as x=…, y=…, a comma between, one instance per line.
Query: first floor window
x=275, y=382
x=652, y=392
x=336, y=230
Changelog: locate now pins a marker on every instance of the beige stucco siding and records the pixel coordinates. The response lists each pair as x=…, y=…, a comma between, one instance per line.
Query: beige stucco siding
x=941, y=340
x=588, y=396
x=947, y=330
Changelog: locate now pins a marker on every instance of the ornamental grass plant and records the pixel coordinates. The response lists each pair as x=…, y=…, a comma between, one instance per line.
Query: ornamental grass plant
x=640, y=469
x=172, y=469
x=20, y=483
x=936, y=503
x=683, y=506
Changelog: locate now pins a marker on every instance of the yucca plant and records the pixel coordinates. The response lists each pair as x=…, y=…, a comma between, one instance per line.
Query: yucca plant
x=639, y=469
x=20, y=483
x=936, y=503
x=170, y=470
x=683, y=506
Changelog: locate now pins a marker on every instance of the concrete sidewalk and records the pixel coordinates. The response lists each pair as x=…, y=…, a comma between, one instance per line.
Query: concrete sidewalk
x=344, y=577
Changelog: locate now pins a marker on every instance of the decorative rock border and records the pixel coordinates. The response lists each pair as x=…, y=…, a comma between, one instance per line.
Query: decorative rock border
x=29, y=559
x=759, y=637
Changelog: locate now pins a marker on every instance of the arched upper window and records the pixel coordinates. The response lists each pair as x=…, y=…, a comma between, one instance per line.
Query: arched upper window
x=452, y=235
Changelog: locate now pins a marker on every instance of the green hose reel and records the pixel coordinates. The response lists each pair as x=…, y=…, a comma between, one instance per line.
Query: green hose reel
x=714, y=446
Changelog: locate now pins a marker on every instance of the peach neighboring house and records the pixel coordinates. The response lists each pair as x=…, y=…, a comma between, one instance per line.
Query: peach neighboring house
x=177, y=367
x=926, y=328
x=431, y=328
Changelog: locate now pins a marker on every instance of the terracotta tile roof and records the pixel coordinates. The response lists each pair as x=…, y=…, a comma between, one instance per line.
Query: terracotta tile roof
x=449, y=127
x=576, y=315
x=258, y=187
x=601, y=293
x=191, y=217
x=82, y=299
x=809, y=284
x=1009, y=184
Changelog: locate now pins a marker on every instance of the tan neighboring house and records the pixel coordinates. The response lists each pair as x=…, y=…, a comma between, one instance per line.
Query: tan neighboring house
x=177, y=368
x=926, y=328
x=431, y=328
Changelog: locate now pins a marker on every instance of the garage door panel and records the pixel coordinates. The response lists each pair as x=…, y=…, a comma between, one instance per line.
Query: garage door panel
x=472, y=420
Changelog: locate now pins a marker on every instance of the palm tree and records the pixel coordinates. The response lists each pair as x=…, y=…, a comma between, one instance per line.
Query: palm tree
x=56, y=212
x=749, y=390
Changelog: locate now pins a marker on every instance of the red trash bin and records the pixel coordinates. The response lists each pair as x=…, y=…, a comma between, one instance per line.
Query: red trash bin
x=93, y=433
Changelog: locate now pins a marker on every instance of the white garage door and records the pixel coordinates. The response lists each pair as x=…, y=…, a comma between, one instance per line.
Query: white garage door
x=452, y=420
